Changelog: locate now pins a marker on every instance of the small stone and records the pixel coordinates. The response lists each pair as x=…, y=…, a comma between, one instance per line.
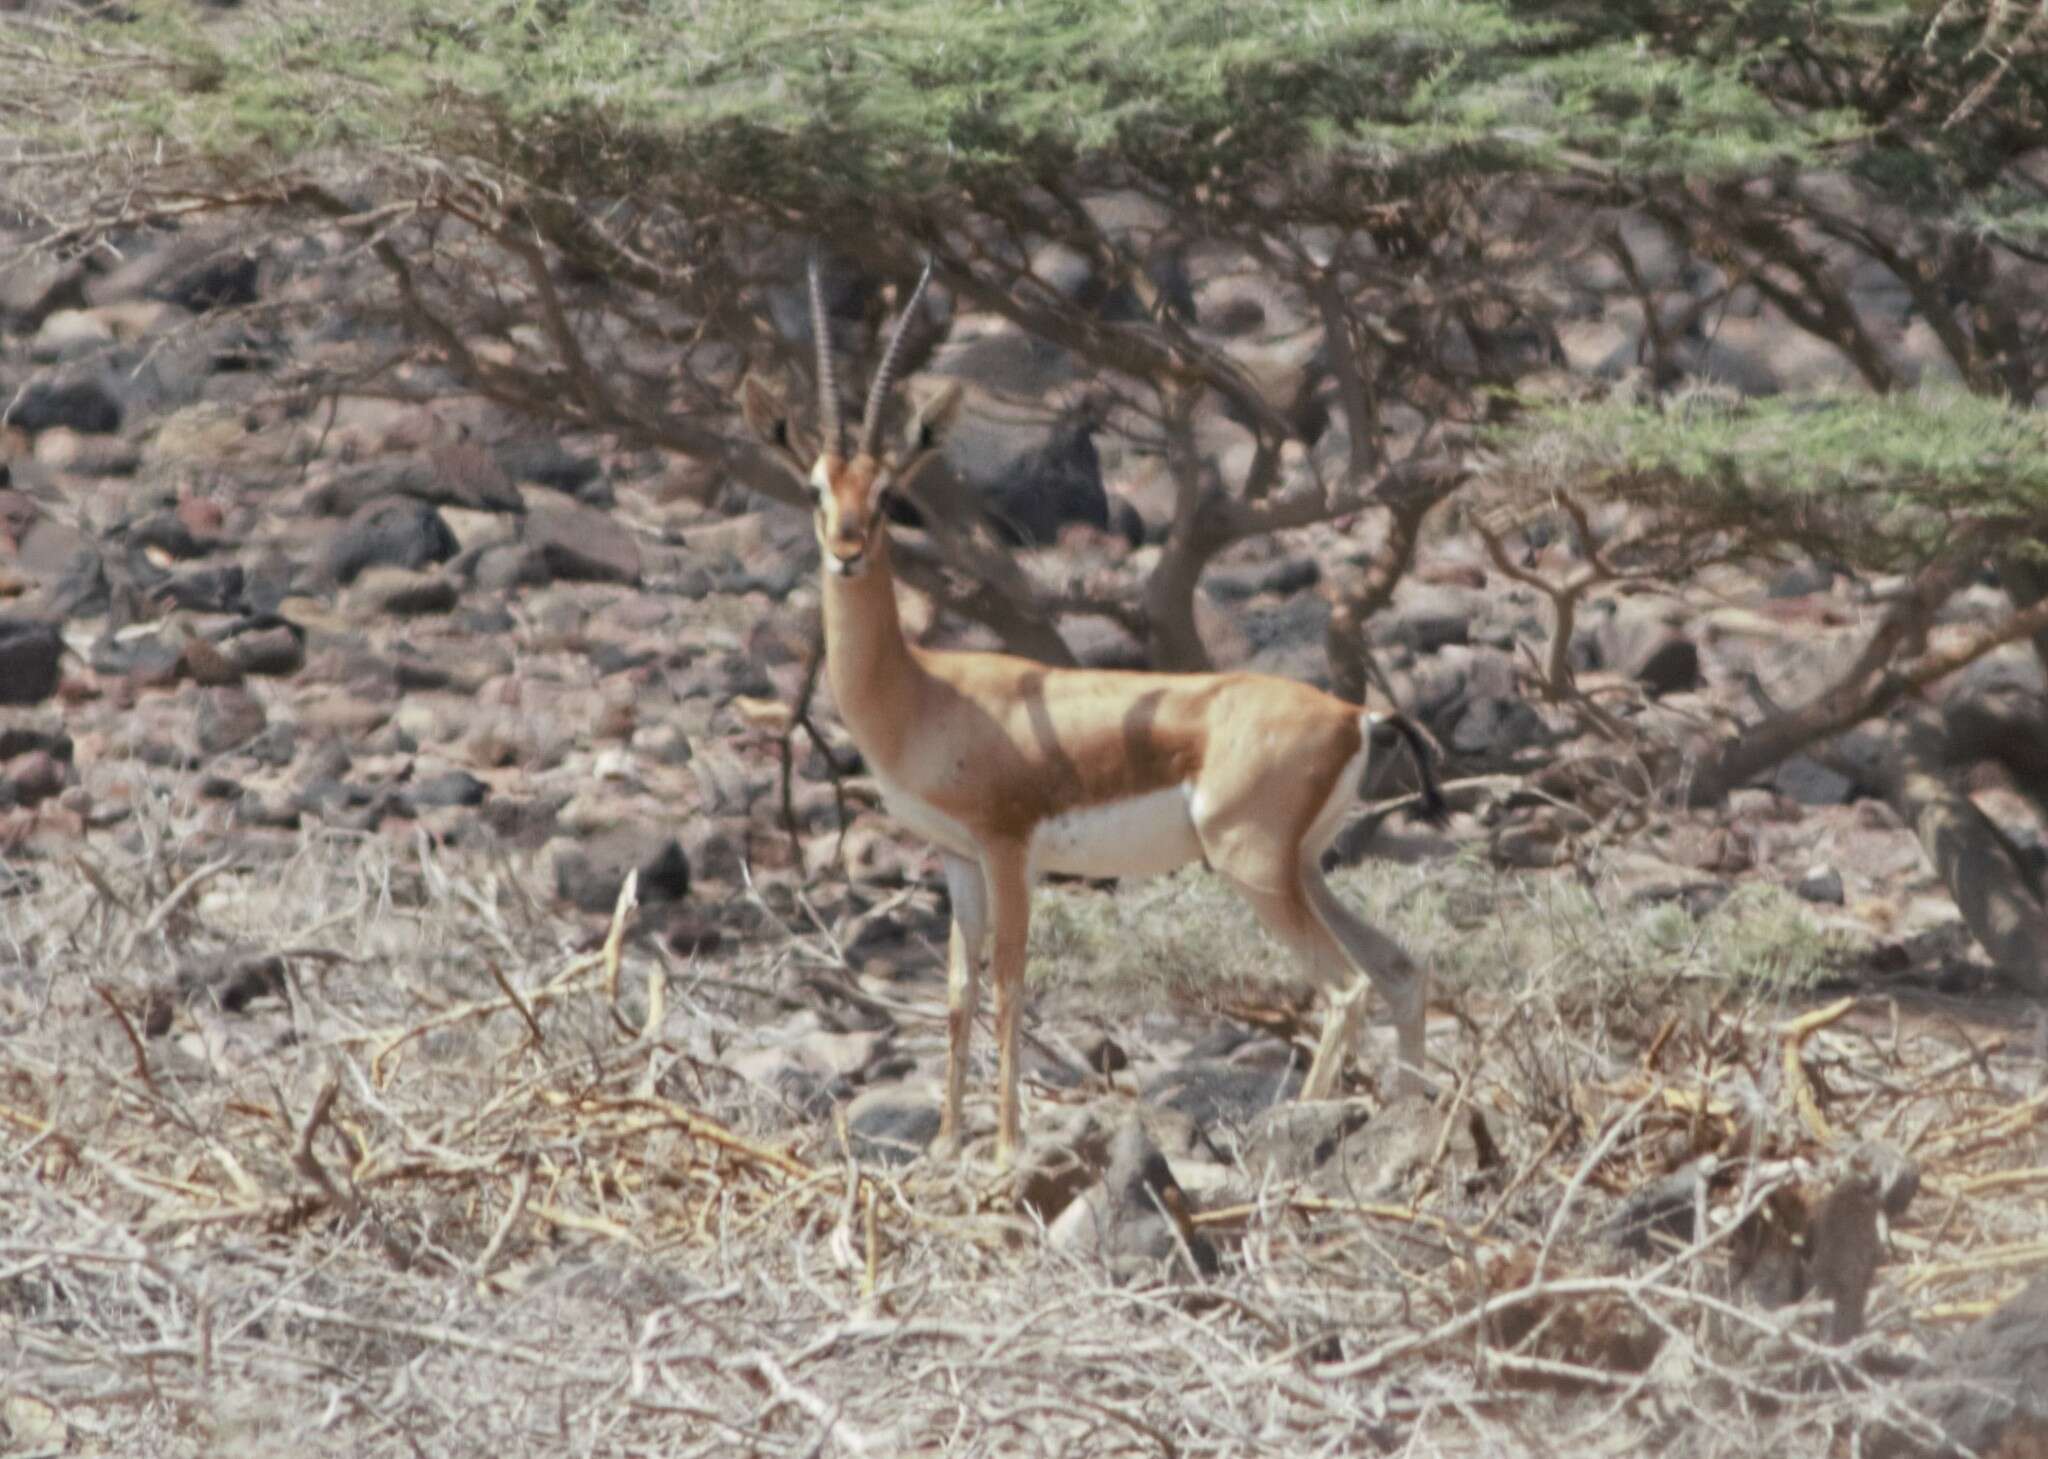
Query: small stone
x=30, y=779
x=390, y=532
x=579, y=543
x=227, y=718
x=29, y=660
x=504, y=566
x=891, y=1124
x=277, y=745
x=202, y=663
x=402, y=592
x=453, y=787
x=201, y=516
x=84, y=406
x=69, y=333
x=63, y=449
x=1672, y=666
x=276, y=651
x=1801, y=579
x=1811, y=783
x=589, y=875
x=1209, y=1090
x=1662, y=1209
x=1137, y=1217
x=1821, y=884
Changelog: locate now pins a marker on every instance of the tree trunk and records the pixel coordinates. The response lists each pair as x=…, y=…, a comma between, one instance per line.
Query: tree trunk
x=2025, y=581
x=1172, y=642
x=1999, y=901
x=1359, y=598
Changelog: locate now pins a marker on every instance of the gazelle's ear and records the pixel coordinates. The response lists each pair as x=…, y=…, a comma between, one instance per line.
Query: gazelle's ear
x=931, y=420
x=767, y=416
x=761, y=406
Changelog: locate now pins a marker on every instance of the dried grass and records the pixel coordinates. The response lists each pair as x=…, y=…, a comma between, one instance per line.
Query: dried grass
x=473, y=1186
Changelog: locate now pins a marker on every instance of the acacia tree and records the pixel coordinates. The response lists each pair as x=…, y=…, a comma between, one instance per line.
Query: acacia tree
x=1919, y=492
x=581, y=209
x=585, y=208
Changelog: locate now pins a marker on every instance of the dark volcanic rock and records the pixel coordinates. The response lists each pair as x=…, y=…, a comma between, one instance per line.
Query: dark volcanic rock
x=891, y=1124
x=32, y=778
x=85, y=406
x=1672, y=667
x=1139, y=1215
x=1428, y=616
x=1662, y=1209
x=1811, y=783
x=391, y=532
x=29, y=662
x=203, y=590
x=455, y=787
x=274, y=648
x=504, y=566
x=589, y=875
x=580, y=543
x=34, y=287
x=460, y=475
x=166, y=532
x=151, y=659
x=197, y=273
x=29, y=655
x=544, y=460
x=1206, y=1090
x=1498, y=725
x=230, y=981
x=19, y=738
x=1043, y=490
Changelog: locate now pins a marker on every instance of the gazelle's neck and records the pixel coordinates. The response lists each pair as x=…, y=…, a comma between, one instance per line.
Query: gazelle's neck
x=866, y=657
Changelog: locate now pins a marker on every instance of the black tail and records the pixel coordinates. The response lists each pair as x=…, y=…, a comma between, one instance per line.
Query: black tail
x=1433, y=810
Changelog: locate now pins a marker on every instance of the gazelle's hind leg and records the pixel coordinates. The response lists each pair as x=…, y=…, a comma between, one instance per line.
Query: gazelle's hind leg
x=1336, y=946
x=1290, y=914
x=1404, y=985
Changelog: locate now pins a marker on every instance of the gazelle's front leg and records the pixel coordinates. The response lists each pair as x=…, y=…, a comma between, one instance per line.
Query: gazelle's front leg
x=1007, y=872
x=965, y=947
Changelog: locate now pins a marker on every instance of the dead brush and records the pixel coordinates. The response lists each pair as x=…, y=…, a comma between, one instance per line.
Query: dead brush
x=448, y=1182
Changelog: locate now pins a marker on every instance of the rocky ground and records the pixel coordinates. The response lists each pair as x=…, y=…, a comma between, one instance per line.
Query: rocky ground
x=334, y=724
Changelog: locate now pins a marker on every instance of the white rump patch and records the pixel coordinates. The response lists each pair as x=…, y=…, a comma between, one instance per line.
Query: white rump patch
x=1143, y=835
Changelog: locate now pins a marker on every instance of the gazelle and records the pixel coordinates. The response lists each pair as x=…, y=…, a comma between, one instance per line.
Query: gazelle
x=1012, y=768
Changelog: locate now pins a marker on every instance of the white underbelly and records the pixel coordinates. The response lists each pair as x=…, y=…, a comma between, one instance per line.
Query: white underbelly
x=1141, y=836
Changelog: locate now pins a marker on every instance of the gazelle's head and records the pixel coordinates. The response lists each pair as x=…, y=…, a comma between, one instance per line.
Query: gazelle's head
x=850, y=492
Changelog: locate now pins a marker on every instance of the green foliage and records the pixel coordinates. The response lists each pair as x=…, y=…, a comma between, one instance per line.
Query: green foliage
x=786, y=98
x=1942, y=95
x=1884, y=482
